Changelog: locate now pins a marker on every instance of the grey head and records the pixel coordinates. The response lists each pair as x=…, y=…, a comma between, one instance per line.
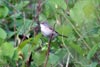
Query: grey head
x=44, y=23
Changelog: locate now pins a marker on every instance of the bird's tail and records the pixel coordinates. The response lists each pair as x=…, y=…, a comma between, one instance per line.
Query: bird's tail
x=62, y=35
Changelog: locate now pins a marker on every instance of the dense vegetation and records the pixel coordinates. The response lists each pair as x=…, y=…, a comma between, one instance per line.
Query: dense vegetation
x=23, y=45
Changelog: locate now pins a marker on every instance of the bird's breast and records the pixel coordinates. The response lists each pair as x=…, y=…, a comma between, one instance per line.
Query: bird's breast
x=46, y=31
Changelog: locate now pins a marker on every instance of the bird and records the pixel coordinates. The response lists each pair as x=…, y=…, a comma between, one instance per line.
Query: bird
x=47, y=30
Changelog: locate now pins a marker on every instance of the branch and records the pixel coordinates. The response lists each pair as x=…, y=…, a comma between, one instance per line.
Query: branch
x=28, y=62
x=36, y=18
x=47, y=56
x=68, y=60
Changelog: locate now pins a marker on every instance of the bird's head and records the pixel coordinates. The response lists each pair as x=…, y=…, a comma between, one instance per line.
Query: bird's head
x=44, y=23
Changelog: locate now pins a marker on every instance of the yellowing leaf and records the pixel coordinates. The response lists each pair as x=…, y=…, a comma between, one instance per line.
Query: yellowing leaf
x=83, y=11
x=89, y=10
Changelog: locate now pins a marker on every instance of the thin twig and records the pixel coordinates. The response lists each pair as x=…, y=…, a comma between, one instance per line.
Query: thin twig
x=68, y=20
x=66, y=47
x=47, y=56
x=68, y=60
x=69, y=53
x=54, y=26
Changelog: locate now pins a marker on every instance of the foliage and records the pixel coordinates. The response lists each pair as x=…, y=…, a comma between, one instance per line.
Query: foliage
x=77, y=19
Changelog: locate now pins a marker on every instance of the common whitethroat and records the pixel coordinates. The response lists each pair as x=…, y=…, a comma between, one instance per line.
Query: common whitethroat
x=47, y=30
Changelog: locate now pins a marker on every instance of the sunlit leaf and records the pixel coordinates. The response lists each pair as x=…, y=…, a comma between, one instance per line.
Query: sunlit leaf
x=36, y=38
x=64, y=29
x=83, y=10
x=25, y=42
x=3, y=34
x=3, y=11
x=7, y=49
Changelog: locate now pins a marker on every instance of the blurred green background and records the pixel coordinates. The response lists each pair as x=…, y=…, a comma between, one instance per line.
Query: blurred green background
x=77, y=19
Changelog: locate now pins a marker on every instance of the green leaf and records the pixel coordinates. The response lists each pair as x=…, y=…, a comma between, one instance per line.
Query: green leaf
x=3, y=11
x=53, y=59
x=16, y=15
x=61, y=53
x=92, y=51
x=98, y=65
x=94, y=64
x=84, y=10
x=7, y=49
x=39, y=58
x=49, y=10
x=52, y=6
x=36, y=38
x=23, y=26
x=26, y=51
x=15, y=55
x=71, y=3
x=1, y=41
x=21, y=5
x=42, y=17
x=1, y=2
x=89, y=10
x=3, y=34
x=59, y=4
x=77, y=48
x=64, y=29
x=24, y=43
x=10, y=34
